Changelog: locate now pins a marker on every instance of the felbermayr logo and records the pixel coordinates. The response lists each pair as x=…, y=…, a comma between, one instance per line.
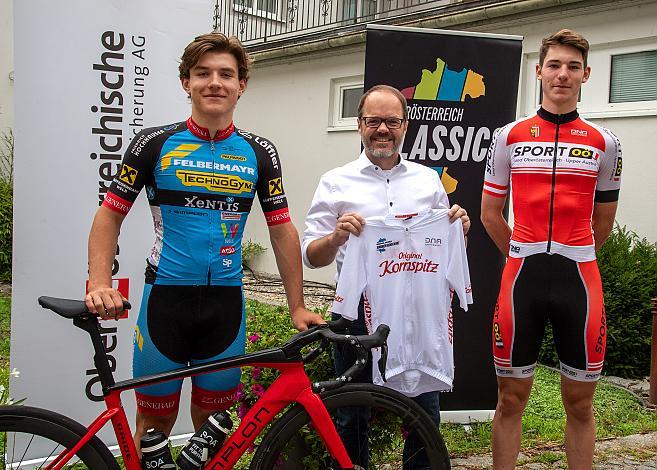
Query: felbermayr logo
x=444, y=84
x=384, y=243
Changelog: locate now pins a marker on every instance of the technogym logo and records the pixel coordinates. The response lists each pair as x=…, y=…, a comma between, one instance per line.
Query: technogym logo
x=443, y=84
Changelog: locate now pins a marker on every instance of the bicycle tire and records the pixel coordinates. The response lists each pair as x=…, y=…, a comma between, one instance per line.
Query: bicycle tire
x=293, y=428
x=24, y=427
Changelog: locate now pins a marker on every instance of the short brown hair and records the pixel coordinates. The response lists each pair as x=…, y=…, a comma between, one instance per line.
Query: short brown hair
x=214, y=42
x=388, y=89
x=565, y=37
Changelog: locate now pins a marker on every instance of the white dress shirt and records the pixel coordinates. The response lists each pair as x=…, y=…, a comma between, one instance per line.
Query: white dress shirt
x=363, y=187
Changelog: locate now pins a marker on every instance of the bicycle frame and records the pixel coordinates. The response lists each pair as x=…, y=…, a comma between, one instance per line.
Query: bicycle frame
x=292, y=386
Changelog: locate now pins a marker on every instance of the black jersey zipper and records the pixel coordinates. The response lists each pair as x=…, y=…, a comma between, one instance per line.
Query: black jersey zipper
x=554, y=182
x=210, y=218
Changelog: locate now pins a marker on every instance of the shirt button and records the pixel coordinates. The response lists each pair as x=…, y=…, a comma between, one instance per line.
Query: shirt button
x=391, y=204
x=387, y=181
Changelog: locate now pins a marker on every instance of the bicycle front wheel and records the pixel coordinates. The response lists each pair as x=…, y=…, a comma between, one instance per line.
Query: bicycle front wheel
x=32, y=437
x=391, y=432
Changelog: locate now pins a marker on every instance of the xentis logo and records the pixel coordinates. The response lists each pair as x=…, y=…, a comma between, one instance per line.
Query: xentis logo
x=384, y=243
x=448, y=182
x=443, y=84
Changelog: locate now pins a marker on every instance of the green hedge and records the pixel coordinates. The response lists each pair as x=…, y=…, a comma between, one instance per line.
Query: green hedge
x=628, y=267
x=6, y=209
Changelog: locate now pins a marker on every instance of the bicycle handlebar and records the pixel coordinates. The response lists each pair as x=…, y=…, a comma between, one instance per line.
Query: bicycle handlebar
x=327, y=333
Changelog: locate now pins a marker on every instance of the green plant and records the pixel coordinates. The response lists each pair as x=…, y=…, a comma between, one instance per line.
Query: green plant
x=628, y=267
x=6, y=203
x=250, y=251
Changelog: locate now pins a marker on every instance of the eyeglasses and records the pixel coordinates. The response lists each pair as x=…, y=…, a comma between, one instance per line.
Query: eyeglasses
x=375, y=122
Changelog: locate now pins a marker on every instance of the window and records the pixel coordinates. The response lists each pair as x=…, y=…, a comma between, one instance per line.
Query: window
x=343, y=108
x=265, y=8
x=633, y=77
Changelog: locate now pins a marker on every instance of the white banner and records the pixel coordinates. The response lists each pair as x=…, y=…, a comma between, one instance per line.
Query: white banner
x=89, y=75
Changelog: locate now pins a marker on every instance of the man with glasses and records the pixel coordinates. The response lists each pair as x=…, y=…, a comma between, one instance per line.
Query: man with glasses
x=378, y=183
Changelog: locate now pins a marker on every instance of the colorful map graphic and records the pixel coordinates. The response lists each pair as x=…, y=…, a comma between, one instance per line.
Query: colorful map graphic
x=444, y=84
x=448, y=182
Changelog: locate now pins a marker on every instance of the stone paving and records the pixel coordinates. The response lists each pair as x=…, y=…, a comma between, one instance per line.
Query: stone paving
x=637, y=451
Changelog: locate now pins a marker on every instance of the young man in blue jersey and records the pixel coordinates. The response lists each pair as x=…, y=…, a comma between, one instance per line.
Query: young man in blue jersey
x=201, y=177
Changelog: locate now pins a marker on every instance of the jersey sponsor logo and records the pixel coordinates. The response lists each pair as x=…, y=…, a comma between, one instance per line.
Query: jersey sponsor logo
x=227, y=263
x=206, y=165
x=125, y=187
x=224, y=183
x=383, y=243
x=233, y=230
x=227, y=156
x=227, y=250
x=431, y=241
x=275, y=199
x=276, y=186
x=128, y=174
x=231, y=216
x=602, y=333
x=338, y=299
x=200, y=202
x=535, y=131
x=578, y=152
x=514, y=248
x=138, y=338
x=619, y=169
x=546, y=149
x=395, y=266
x=117, y=203
x=276, y=217
x=497, y=329
x=182, y=151
x=527, y=371
x=144, y=139
x=579, y=132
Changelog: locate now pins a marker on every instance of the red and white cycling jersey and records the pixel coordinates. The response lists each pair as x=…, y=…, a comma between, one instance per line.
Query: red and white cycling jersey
x=557, y=166
x=407, y=267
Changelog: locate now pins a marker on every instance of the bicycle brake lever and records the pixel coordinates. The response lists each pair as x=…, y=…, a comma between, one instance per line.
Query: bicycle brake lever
x=383, y=360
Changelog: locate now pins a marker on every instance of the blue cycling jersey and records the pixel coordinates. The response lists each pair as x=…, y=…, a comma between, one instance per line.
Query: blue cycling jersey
x=200, y=190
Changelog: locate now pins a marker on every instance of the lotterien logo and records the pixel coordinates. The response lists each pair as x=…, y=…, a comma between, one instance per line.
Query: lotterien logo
x=224, y=183
x=275, y=187
x=384, y=243
x=182, y=151
x=444, y=84
x=128, y=174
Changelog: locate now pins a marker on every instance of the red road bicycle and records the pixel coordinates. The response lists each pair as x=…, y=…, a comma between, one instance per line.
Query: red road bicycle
x=291, y=442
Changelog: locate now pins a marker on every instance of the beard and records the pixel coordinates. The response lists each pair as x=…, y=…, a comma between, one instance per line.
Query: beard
x=382, y=153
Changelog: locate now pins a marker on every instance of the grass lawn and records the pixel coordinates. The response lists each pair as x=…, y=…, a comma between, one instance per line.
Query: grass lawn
x=617, y=413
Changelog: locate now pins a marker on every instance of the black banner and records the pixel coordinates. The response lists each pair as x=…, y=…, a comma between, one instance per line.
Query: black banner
x=460, y=87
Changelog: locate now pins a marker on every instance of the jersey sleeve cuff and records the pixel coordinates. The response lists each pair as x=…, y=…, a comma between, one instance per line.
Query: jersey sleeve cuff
x=607, y=196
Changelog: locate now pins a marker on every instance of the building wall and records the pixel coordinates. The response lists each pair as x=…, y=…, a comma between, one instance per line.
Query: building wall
x=288, y=101
x=6, y=64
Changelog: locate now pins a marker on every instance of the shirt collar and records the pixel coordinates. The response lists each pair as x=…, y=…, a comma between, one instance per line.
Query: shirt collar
x=557, y=118
x=203, y=133
x=364, y=163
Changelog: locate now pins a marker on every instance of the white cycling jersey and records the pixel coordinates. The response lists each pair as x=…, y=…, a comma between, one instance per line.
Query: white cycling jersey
x=408, y=267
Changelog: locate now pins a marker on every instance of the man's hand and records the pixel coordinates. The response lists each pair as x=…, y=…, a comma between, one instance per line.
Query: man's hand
x=106, y=302
x=348, y=223
x=457, y=212
x=303, y=319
